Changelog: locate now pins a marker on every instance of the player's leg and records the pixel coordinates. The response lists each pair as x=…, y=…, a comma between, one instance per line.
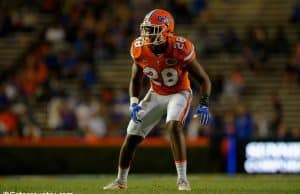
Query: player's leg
x=179, y=153
x=136, y=133
x=178, y=109
x=177, y=140
x=127, y=151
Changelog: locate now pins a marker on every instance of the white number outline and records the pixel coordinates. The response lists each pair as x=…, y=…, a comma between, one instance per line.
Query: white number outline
x=169, y=76
x=138, y=42
x=179, y=44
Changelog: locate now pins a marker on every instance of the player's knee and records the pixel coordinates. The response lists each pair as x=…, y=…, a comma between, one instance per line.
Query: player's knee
x=132, y=141
x=174, y=126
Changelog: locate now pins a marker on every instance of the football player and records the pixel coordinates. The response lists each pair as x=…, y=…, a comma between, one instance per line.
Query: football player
x=167, y=60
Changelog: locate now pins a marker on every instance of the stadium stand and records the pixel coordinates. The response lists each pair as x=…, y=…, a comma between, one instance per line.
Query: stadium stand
x=85, y=52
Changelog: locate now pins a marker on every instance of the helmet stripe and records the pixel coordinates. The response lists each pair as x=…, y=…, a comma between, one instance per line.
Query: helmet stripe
x=148, y=16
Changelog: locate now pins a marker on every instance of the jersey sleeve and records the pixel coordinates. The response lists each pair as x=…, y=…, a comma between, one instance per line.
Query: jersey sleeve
x=136, y=48
x=189, y=53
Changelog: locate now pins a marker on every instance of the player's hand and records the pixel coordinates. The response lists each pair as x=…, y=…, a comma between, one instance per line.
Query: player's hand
x=203, y=113
x=134, y=112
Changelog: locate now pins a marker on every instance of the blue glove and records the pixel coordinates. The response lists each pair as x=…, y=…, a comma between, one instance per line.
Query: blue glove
x=203, y=112
x=134, y=109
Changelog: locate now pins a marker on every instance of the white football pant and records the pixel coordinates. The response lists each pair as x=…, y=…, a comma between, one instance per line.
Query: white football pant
x=154, y=107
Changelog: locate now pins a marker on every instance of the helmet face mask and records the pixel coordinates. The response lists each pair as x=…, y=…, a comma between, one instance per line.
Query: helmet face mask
x=153, y=34
x=156, y=27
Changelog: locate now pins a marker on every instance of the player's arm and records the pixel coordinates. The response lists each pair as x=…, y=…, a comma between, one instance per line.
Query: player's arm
x=198, y=72
x=135, y=82
x=134, y=91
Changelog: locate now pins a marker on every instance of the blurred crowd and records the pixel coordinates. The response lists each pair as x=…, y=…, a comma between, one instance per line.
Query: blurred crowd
x=54, y=82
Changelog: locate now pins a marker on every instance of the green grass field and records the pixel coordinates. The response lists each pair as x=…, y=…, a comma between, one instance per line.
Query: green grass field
x=148, y=184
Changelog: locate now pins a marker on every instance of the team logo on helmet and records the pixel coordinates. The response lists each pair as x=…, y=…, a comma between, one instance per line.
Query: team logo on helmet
x=164, y=19
x=161, y=18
